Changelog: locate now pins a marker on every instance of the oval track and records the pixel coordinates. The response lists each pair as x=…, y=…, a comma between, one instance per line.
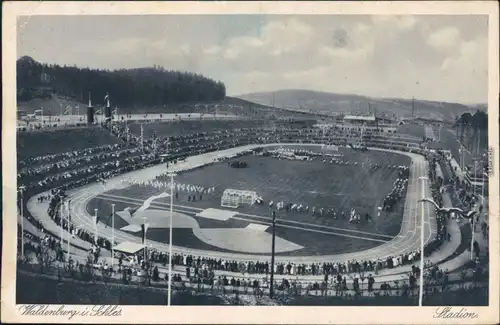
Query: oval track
x=407, y=240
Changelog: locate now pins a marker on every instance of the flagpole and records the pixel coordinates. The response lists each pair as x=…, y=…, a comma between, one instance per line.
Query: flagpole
x=95, y=227
x=22, y=223
x=472, y=240
x=472, y=221
x=482, y=186
x=112, y=235
x=421, y=284
x=482, y=178
x=62, y=219
x=144, y=242
x=170, y=238
x=271, y=287
x=69, y=222
x=69, y=234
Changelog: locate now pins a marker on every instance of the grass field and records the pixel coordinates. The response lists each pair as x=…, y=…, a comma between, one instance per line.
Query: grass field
x=311, y=183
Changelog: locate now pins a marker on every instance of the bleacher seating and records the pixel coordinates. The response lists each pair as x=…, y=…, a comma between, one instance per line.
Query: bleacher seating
x=33, y=144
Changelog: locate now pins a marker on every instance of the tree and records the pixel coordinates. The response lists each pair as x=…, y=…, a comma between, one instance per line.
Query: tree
x=87, y=270
x=46, y=258
x=479, y=124
x=465, y=121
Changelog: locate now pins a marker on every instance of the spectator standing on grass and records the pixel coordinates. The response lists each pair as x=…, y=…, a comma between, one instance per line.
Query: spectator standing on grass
x=371, y=281
x=156, y=274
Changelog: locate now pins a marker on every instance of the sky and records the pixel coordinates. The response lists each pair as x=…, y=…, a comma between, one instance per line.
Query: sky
x=440, y=58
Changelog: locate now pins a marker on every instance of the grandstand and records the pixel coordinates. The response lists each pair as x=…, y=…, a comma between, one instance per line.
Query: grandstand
x=32, y=144
x=91, y=154
x=362, y=123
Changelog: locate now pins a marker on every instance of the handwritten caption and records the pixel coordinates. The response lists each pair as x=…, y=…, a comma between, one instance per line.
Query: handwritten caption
x=71, y=312
x=449, y=312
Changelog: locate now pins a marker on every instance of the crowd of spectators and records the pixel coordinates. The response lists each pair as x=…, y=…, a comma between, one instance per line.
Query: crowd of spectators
x=54, y=211
x=176, y=148
x=399, y=189
x=81, y=161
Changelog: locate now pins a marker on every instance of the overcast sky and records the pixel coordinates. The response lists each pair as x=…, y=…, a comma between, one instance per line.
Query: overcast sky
x=427, y=57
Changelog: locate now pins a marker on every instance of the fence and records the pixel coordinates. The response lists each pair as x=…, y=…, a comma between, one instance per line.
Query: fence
x=88, y=275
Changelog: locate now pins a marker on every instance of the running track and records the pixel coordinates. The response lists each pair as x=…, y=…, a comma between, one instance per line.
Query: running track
x=407, y=240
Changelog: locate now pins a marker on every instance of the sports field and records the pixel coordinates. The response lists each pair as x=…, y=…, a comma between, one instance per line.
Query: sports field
x=310, y=183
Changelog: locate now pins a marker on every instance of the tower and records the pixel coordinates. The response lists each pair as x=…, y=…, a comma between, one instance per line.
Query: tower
x=90, y=111
x=107, y=109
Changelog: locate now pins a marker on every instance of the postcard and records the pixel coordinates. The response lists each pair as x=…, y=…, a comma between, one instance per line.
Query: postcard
x=250, y=162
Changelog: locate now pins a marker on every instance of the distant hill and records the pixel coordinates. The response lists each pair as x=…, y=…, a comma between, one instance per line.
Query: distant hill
x=151, y=86
x=328, y=103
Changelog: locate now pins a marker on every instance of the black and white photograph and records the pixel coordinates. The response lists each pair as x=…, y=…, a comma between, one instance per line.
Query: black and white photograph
x=251, y=158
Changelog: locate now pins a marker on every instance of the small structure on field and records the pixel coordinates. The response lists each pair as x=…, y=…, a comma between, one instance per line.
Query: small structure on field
x=234, y=198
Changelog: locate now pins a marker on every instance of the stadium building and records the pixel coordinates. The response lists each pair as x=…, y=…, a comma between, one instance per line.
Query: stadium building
x=361, y=124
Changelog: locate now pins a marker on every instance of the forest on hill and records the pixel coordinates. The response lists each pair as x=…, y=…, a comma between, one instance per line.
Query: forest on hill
x=152, y=86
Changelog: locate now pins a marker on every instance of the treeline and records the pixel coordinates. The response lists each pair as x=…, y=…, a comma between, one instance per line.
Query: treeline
x=473, y=128
x=127, y=87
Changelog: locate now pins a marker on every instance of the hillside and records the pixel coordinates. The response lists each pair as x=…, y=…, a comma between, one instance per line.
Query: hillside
x=59, y=89
x=52, y=104
x=153, y=86
x=328, y=103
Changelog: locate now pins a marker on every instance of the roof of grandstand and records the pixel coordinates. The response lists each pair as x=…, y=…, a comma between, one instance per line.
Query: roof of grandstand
x=128, y=247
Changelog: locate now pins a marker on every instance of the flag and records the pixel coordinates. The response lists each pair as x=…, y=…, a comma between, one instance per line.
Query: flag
x=144, y=230
x=150, y=200
x=106, y=99
x=107, y=222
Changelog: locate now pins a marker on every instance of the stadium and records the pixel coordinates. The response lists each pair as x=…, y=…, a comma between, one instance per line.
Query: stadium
x=225, y=199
